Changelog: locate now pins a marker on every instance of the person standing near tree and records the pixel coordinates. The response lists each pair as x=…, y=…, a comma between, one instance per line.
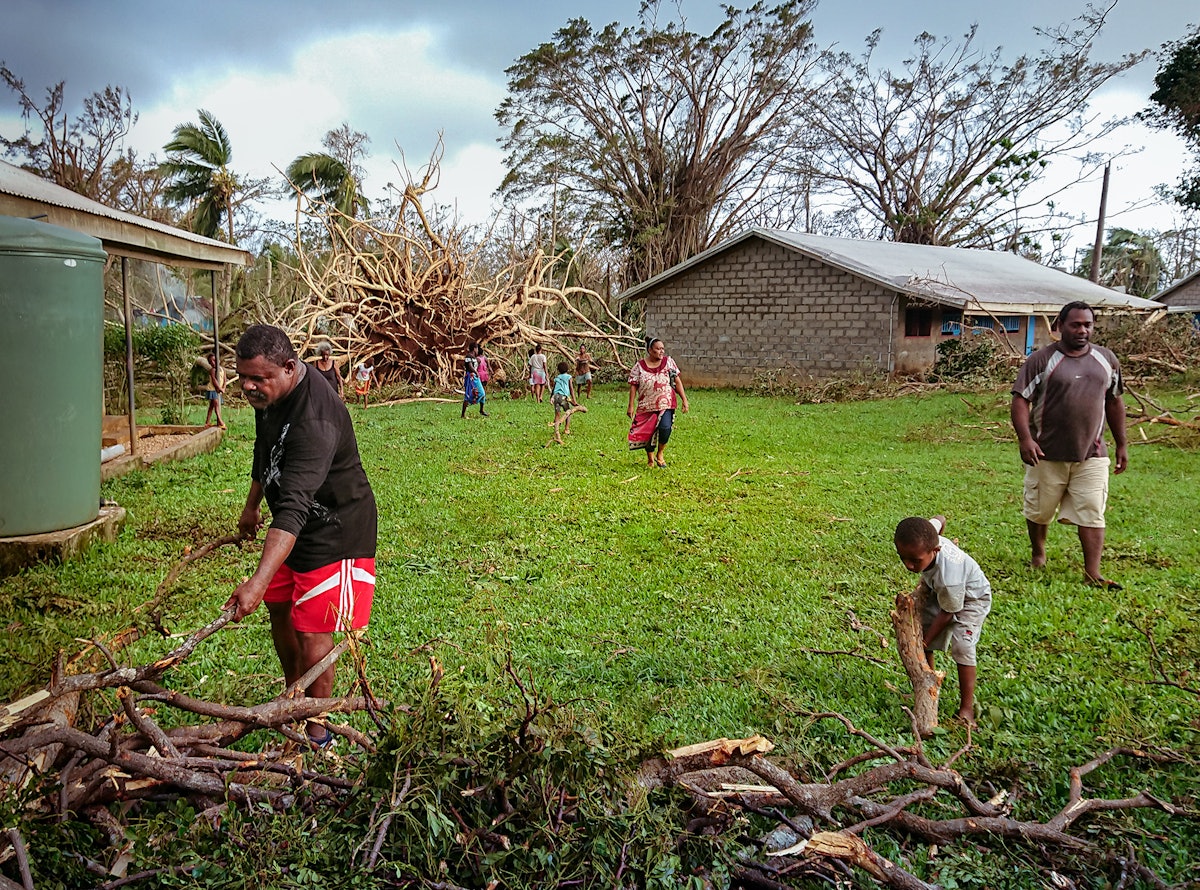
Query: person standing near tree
x=362, y=380
x=1064, y=395
x=216, y=389
x=317, y=569
x=537, y=372
x=485, y=373
x=473, y=392
x=583, y=370
x=327, y=368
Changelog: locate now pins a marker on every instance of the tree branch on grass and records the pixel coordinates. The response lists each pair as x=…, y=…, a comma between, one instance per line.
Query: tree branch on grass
x=853, y=804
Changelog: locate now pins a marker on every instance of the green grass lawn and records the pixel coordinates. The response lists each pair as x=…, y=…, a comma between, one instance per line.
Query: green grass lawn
x=687, y=603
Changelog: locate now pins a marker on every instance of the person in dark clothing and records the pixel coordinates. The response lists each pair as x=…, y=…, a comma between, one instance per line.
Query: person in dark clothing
x=327, y=368
x=317, y=570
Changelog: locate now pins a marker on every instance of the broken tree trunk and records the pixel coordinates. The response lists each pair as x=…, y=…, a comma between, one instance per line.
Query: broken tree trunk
x=910, y=644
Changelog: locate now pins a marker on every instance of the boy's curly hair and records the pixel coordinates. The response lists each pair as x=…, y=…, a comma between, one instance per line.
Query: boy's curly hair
x=916, y=530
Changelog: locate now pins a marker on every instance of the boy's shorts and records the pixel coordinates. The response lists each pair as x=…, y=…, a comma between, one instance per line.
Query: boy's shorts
x=560, y=403
x=334, y=597
x=961, y=635
x=1078, y=490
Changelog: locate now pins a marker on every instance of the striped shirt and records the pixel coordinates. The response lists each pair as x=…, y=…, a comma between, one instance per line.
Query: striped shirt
x=1068, y=395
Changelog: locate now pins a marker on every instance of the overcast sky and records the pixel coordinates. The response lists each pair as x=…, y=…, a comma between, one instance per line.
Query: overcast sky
x=279, y=74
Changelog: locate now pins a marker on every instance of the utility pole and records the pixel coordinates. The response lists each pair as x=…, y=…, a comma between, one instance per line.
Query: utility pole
x=1099, y=245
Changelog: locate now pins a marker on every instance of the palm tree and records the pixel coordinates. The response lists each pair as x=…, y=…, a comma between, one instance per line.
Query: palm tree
x=197, y=166
x=328, y=180
x=1128, y=259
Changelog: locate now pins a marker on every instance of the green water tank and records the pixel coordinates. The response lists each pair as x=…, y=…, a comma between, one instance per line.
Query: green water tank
x=51, y=376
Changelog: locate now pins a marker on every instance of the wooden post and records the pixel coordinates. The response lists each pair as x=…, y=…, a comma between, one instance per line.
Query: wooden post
x=1098, y=248
x=134, y=448
x=926, y=682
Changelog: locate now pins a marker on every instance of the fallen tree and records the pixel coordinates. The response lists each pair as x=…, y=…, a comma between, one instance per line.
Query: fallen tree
x=408, y=294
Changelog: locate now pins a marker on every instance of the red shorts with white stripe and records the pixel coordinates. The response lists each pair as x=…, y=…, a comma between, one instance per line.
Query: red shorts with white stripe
x=334, y=597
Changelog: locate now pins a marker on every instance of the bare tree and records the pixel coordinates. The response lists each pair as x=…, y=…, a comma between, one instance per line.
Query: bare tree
x=664, y=140
x=76, y=153
x=949, y=148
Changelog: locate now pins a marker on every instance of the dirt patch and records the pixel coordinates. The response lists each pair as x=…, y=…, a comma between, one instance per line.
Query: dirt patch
x=165, y=443
x=148, y=446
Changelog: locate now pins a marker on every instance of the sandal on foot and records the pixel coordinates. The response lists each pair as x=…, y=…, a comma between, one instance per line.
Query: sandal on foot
x=660, y=463
x=1104, y=583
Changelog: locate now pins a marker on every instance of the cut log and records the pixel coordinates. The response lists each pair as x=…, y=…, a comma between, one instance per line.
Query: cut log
x=926, y=682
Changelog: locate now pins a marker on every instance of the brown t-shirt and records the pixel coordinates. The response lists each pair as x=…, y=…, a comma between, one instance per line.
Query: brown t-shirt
x=1068, y=396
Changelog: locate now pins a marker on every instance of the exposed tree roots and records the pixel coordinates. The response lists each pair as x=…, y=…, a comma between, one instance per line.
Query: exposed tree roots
x=409, y=293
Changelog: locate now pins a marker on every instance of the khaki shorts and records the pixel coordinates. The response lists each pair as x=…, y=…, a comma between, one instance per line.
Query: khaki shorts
x=1077, y=490
x=961, y=635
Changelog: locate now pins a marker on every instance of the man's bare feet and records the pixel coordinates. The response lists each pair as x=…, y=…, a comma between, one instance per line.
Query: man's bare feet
x=1038, y=562
x=966, y=717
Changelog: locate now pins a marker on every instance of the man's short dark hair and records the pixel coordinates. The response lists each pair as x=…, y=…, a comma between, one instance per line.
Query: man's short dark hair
x=916, y=530
x=270, y=342
x=1071, y=307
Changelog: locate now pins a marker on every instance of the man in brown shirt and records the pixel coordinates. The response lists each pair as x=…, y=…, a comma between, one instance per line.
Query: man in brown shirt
x=1062, y=399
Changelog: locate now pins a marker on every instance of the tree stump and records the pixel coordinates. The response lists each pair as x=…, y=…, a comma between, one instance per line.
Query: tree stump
x=926, y=682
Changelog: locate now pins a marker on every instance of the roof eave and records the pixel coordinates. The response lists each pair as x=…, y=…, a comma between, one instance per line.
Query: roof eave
x=123, y=239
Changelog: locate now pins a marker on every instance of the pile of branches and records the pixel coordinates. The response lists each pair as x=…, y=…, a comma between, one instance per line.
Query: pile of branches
x=408, y=294
x=822, y=823
x=1182, y=424
x=130, y=755
x=1152, y=348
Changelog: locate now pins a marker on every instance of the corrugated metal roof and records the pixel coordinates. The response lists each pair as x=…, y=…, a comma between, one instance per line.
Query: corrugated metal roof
x=992, y=280
x=24, y=194
x=1167, y=294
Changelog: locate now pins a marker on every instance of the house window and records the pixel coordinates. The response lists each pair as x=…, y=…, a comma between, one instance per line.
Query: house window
x=980, y=321
x=918, y=322
x=951, y=322
x=1012, y=323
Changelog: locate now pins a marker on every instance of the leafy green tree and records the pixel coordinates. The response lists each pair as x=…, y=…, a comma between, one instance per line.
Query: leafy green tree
x=1176, y=99
x=658, y=140
x=1128, y=259
x=333, y=177
x=200, y=178
x=947, y=149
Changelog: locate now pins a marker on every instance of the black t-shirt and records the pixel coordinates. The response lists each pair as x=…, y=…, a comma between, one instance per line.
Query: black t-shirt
x=306, y=460
x=331, y=375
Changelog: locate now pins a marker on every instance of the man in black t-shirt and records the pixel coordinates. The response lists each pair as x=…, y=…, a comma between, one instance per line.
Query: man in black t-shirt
x=317, y=570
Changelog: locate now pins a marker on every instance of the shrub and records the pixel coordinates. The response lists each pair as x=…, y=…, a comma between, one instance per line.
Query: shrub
x=161, y=352
x=969, y=359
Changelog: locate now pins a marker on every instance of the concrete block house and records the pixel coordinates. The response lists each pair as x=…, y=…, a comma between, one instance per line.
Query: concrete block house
x=811, y=304
x=1182, y=296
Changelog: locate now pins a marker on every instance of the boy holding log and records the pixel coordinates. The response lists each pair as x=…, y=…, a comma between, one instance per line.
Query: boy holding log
x=957, y=597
